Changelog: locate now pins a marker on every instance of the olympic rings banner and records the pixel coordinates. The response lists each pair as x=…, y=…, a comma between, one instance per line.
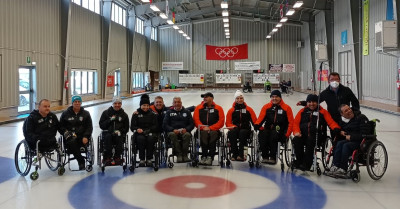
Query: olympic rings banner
x=226, y=53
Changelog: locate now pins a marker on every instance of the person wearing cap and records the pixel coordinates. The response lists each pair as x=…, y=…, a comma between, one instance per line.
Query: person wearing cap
x=239, y=119
x=144, y=126
x=275, y=123
x=178, y=123
x=42, y=125
x=77, y=128
x=305, y=130
x=115, y=122
x=208, y=118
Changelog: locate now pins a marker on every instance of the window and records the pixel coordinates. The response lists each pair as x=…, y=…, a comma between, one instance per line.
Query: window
x=83, y=81
x=137, y=80
x=154, y=33
x=139, y=26
x=118, y=14
x=92, y=5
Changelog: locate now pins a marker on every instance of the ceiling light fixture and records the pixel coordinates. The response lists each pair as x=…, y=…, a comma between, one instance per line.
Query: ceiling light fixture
x=284, y=19
x=226, y=25
x=145, y=1
x=278, y=25
x=163, y=16
x=226, y=20
x=180, y=31
x=170, y=22
x=269, y=36
x=228, y=37
x=154, y=8
x=226, y=29
x=185, y=35
x=298, y=4
x=275, y=29
x=225, y=13
x=224, y=5
x=175, y=27
x=290, y=12
x=188, y=38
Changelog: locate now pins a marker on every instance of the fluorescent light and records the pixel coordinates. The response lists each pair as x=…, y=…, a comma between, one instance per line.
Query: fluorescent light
x=185, y=35
x=269, y=36
x=170, y=22
x=224, y=5
x=298, y=4
x=163, y=16
x=278, y=25
x=226, y=29
x=180, y=31
x=226, y=25
x=290, y=12
x=228, y=36
x=275, y=29
x=154, y=8
x=225, y=20
x=145, y=1
x=225, y=13
x=188, y=38
x=284, y=19
x=175, y=27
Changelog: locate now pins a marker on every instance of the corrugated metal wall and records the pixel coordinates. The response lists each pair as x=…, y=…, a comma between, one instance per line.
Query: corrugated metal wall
x=154, y=58
x=30, y=28
x=379, y=71
x=305, y=54
x=117, y=54
x=320, y=38
x=139, y=55
x=85, y=39
x=281, y=49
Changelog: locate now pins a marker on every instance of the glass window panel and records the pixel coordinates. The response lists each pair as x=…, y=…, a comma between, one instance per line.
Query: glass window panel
x=90, y=82
x=85, y=4
x=113, y=12
x=91, y=5
x=97, y=6
x=72, y=82
x=78, y=2
x=120, y=15
x=84, y=82
x=78, y=83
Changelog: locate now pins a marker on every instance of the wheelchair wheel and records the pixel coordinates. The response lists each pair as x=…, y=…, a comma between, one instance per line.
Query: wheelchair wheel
x=23, y=158
x=245, y=90
x=34, y=175
x=327, y=154
x=355, y=176
x=90, y=154
x=377, y=160
x=53, y=160
x=288, y=152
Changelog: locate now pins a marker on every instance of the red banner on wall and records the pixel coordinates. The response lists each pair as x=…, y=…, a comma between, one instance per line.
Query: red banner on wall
x=110, y=81
x=226, y=52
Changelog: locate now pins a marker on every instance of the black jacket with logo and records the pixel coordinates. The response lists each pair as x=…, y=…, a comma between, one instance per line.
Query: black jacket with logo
x=80, y=123
x=36, y=127
x=178, y=119
x=121, y=123
x=147, y=121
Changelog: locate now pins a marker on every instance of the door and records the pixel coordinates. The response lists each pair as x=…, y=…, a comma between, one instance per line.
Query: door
x=117, y=83
x=347, y=76
x=26, y=90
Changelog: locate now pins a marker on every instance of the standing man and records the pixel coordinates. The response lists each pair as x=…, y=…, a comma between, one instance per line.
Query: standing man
x=76, y=127
x=178, y=123
x=41, y=124
x=115, y=121
x=276, y=123
x=210, y=117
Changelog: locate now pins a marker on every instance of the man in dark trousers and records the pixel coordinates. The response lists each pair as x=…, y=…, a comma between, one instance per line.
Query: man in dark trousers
x=178, y=123
x=76, y=127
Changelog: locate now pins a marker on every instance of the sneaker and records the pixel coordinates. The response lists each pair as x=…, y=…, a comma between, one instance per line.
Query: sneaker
x=179, y=159
x=208, y=161
x=340, y=172
x=149, y=163
x=332, y=170
x=203, y=161
x=142, y=163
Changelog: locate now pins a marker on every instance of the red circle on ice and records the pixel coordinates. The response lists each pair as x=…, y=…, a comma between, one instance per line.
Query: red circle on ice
x=195, y=186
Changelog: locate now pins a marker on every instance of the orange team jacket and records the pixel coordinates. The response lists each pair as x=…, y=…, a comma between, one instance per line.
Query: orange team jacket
x=241, y=116
x=273, y=115
x=307, y=119
x=213, y=117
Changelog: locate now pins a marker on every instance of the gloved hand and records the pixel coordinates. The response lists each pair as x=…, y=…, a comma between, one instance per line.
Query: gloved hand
x=117, y=133
x=113, y=118
x=67, y=135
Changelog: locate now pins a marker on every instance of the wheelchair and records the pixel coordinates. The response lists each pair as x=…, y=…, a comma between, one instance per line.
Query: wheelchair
x=158, y=153
x=247, y=89
x=87, y=150
x=220, y=148
x=323, y=147
x=101, y=152
x=26, y=157
x=250, y=145
x=371, y=153
x=281, y=154
x=166, y=145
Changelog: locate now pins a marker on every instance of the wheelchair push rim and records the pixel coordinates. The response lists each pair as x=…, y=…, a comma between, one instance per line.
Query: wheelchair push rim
x=53, y=160
x=23, y=158
x=377, y=160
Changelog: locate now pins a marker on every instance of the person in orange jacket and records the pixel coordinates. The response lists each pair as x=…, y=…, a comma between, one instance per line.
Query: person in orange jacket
x=275, y=123
x=209, y=118
x=305, y=130
x=239, y=119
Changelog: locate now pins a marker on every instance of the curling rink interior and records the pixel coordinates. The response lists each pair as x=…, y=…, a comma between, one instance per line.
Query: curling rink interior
x=236, y=187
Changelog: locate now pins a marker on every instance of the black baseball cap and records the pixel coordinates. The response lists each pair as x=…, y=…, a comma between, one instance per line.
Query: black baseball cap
x=208, y=94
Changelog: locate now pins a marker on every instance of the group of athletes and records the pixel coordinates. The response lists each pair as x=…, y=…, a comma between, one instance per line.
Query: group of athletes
x=274, y=123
